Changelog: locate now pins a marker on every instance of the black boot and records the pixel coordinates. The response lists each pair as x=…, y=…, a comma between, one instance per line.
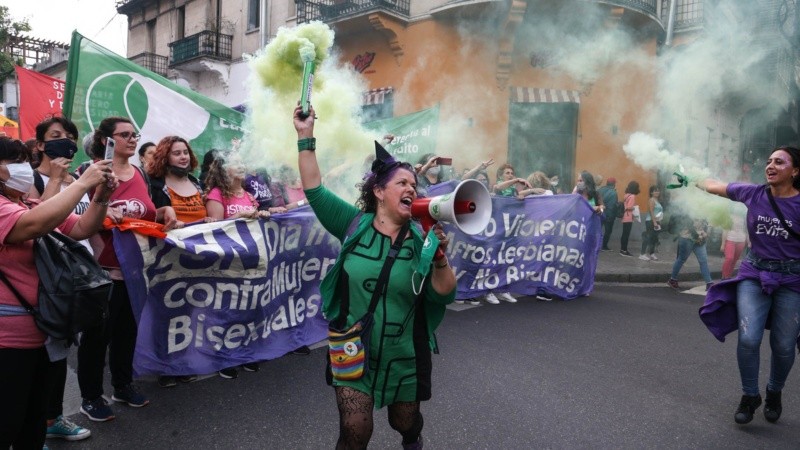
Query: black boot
x=748, y=405
x=772, y=406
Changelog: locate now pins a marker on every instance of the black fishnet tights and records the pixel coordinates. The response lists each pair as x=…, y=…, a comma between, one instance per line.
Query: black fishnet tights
x=355, y=419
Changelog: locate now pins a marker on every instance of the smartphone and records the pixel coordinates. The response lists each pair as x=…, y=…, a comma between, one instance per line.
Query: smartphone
x=109, y=148
x=444, y=161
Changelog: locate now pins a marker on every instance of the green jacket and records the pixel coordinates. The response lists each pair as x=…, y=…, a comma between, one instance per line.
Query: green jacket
x=336, y=216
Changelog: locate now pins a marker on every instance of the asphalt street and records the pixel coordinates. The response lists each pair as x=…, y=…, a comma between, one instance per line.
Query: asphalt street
x=630, y=366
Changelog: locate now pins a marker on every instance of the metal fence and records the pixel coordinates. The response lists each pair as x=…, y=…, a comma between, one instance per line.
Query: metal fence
x=153, y=62
x=205, y=44
x=326, y=10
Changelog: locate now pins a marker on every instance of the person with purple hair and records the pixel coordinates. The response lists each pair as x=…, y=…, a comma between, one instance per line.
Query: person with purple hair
x=410, y=305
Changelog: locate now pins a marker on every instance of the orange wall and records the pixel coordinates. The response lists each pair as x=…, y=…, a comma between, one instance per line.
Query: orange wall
x=439, y=66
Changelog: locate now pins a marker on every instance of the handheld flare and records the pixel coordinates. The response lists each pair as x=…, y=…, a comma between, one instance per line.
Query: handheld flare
x=308, y=81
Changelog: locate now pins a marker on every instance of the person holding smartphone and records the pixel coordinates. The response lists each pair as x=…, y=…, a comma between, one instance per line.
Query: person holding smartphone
x=429, y=170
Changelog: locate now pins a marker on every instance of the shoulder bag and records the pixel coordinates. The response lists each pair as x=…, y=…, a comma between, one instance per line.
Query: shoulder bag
x=348, y=349
x=780, y=215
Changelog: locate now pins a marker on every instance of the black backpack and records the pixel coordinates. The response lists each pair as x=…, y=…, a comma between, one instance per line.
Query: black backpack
x=74, y=290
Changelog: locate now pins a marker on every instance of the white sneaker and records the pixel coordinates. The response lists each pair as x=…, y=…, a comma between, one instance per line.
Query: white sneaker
x=653, y=257
x=505, y=296
x=491, y=298
x=474, y=302
x=644, y=258
x=458, y=302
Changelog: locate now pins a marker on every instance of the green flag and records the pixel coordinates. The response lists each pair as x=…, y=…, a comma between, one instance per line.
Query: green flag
x=101, y=84
x=414, y=134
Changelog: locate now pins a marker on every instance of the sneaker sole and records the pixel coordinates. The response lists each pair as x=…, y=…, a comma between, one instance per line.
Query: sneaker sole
x=133, y=405
x=70, y=437
x=96, y=419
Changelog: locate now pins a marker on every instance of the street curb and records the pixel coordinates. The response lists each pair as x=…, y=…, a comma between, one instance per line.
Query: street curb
x=649, y=277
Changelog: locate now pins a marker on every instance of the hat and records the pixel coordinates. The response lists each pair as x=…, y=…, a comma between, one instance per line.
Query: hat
x=611, y=180
x=384, y=162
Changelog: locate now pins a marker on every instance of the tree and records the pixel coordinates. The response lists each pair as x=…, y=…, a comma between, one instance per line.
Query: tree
x=8, y=28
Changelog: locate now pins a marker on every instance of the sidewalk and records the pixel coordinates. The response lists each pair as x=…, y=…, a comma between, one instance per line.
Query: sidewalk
x=613, y=267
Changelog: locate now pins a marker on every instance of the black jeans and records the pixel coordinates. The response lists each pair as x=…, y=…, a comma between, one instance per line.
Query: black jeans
x=23, y=374
x=119, y=335
x=56, y=379
x=649, y=239
x=626, y=233
x=608, y=227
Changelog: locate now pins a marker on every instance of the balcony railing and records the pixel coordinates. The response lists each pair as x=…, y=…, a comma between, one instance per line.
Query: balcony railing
x=688, y=14
x=326, y=10
x=205, y=44
x=153, y=62
x=643, y=6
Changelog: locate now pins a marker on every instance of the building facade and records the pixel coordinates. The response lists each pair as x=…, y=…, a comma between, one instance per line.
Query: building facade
x=552, y=85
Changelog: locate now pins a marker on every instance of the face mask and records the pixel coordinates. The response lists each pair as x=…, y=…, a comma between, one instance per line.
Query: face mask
x=178, y=171
x=434, y=171
x=20, y=177
x=60, y=148
x=554, y=183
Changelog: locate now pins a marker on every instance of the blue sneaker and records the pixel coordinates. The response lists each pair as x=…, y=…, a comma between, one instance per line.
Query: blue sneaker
x=130, y=395
x=97, y=410
x=62, y=428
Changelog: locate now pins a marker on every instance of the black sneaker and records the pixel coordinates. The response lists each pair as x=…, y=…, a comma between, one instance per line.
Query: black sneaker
x=625, y=253
x=187, y=378
x=673, y=284
x=167, y=381
x=130, y=395
x=229, y=374
x=250, y=367
x=747, y=406
x=772, y=406
x=97, y=410
x=304, y=350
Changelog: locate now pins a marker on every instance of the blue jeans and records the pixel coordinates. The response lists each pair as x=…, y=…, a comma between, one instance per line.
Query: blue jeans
x=783, y=307
x=685, y=248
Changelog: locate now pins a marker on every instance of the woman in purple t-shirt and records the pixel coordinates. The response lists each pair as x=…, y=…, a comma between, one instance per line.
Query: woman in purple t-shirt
x=768, y=284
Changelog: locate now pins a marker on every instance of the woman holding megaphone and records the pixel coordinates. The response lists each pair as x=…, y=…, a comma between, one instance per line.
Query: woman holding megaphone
x=384, y=296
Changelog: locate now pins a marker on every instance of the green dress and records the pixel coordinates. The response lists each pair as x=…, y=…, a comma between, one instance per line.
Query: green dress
x=400, y=345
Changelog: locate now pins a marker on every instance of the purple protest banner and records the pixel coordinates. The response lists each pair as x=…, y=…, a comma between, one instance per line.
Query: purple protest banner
x=546, y=244
x=219, y=294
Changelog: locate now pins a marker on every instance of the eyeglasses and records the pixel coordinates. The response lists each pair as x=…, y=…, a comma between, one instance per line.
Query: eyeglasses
x=128, y=135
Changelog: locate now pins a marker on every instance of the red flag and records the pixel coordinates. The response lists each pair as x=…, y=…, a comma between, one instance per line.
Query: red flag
x=40, y=96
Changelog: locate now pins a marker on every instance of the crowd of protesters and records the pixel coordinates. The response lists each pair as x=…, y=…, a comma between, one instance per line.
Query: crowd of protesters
x=37, y=185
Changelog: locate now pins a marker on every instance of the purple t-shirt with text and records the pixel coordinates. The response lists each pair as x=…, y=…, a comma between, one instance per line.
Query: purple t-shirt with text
x=768, y=237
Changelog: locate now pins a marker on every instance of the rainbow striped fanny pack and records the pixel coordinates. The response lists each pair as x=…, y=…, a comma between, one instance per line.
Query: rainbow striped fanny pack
x=348, y=350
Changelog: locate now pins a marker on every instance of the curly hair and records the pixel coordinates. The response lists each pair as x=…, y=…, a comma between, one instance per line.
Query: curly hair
x=105, y=131
x=217, y=176
x=502, y=169
x=159, y=166
x=539, y=179
x=366, y=199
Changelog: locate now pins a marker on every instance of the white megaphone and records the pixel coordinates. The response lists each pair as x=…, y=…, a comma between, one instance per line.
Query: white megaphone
x=469, y=207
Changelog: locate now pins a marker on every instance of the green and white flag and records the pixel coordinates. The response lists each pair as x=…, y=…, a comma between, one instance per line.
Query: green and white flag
x=414, y=134
x=101, y=84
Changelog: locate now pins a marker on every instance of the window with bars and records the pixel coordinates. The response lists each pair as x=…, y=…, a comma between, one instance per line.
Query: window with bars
x=687, y=13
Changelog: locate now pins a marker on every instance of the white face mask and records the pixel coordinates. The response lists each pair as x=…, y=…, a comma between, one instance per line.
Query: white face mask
x=434, y=171
x=20, y=177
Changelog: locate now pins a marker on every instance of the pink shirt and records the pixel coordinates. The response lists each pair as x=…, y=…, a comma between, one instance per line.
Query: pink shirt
x=18, y=266
x=233, y=205
x=295, y=194
x=630, y=201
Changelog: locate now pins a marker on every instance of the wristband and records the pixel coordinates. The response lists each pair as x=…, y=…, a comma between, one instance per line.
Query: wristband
x=307, y=144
